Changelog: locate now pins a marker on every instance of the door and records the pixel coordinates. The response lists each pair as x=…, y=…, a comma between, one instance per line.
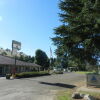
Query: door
x=0, y=71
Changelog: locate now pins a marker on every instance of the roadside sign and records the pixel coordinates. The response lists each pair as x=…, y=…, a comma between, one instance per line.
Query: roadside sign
x=15, y=47
x=93, y=80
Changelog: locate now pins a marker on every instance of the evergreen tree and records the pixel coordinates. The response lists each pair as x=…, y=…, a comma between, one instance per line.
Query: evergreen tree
x=79, y=35
x=42, y=59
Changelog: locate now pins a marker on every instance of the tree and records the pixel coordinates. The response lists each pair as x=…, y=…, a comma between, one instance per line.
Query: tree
x=42, y=59
x=52, y=62
x=79, y=35
x=4, y=53
x=32, y=59
x=22, y=58
x=27, y=58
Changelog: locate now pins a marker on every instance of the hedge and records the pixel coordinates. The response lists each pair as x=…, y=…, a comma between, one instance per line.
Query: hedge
x=31, y=74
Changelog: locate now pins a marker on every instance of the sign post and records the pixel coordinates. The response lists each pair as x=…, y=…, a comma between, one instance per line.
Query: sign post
x=15, y=47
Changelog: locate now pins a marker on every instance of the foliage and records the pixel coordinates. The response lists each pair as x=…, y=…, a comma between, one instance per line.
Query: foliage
x=31, y=74
x=29, y=59
x=3, y=53
x=52, y=62
x=20, y=58
x=26, y=58
x=42, y=59
x=79, y=35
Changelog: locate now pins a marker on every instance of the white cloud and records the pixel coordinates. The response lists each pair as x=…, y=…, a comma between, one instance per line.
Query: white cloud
x=1, y=18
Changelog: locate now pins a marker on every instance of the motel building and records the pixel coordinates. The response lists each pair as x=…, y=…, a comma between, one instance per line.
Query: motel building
x=7, y=66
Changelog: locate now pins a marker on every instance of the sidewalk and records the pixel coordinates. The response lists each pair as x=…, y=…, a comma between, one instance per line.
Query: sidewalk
x=88, y=89
x=2, y=77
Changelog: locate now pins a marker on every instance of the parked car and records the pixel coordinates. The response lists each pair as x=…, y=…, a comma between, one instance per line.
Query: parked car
x=58, y=70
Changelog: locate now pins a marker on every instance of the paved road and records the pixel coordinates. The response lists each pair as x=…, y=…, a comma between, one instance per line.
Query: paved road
x=39, y=88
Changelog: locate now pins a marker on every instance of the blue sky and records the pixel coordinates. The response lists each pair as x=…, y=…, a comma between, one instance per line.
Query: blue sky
x=29, y=21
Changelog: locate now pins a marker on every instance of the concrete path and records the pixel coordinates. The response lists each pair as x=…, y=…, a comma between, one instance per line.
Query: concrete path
x=89, y=89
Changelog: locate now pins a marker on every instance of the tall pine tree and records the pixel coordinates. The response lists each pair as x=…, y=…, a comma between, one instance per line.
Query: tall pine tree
x=79, y=35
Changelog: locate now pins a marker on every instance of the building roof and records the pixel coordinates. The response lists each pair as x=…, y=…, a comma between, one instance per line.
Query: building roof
x=4, y=60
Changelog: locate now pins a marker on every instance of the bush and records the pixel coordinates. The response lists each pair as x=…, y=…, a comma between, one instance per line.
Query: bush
x=31, y=74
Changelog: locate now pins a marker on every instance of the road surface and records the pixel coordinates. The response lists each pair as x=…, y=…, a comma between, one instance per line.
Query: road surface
x=38, y=88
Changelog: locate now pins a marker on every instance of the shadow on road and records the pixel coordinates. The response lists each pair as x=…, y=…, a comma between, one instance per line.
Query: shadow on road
x=59, y=85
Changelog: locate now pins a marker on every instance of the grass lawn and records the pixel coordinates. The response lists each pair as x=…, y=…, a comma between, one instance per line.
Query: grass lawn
x=85, y=72
x=66, y=95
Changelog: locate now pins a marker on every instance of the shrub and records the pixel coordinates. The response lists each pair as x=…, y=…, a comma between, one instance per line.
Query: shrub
x=31, y=74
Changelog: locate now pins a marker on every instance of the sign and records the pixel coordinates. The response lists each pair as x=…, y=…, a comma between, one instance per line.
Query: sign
x=15, y=46
x=93, y=80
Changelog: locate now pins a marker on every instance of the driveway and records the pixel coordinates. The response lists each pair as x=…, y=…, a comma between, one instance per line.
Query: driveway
x=38, y=88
